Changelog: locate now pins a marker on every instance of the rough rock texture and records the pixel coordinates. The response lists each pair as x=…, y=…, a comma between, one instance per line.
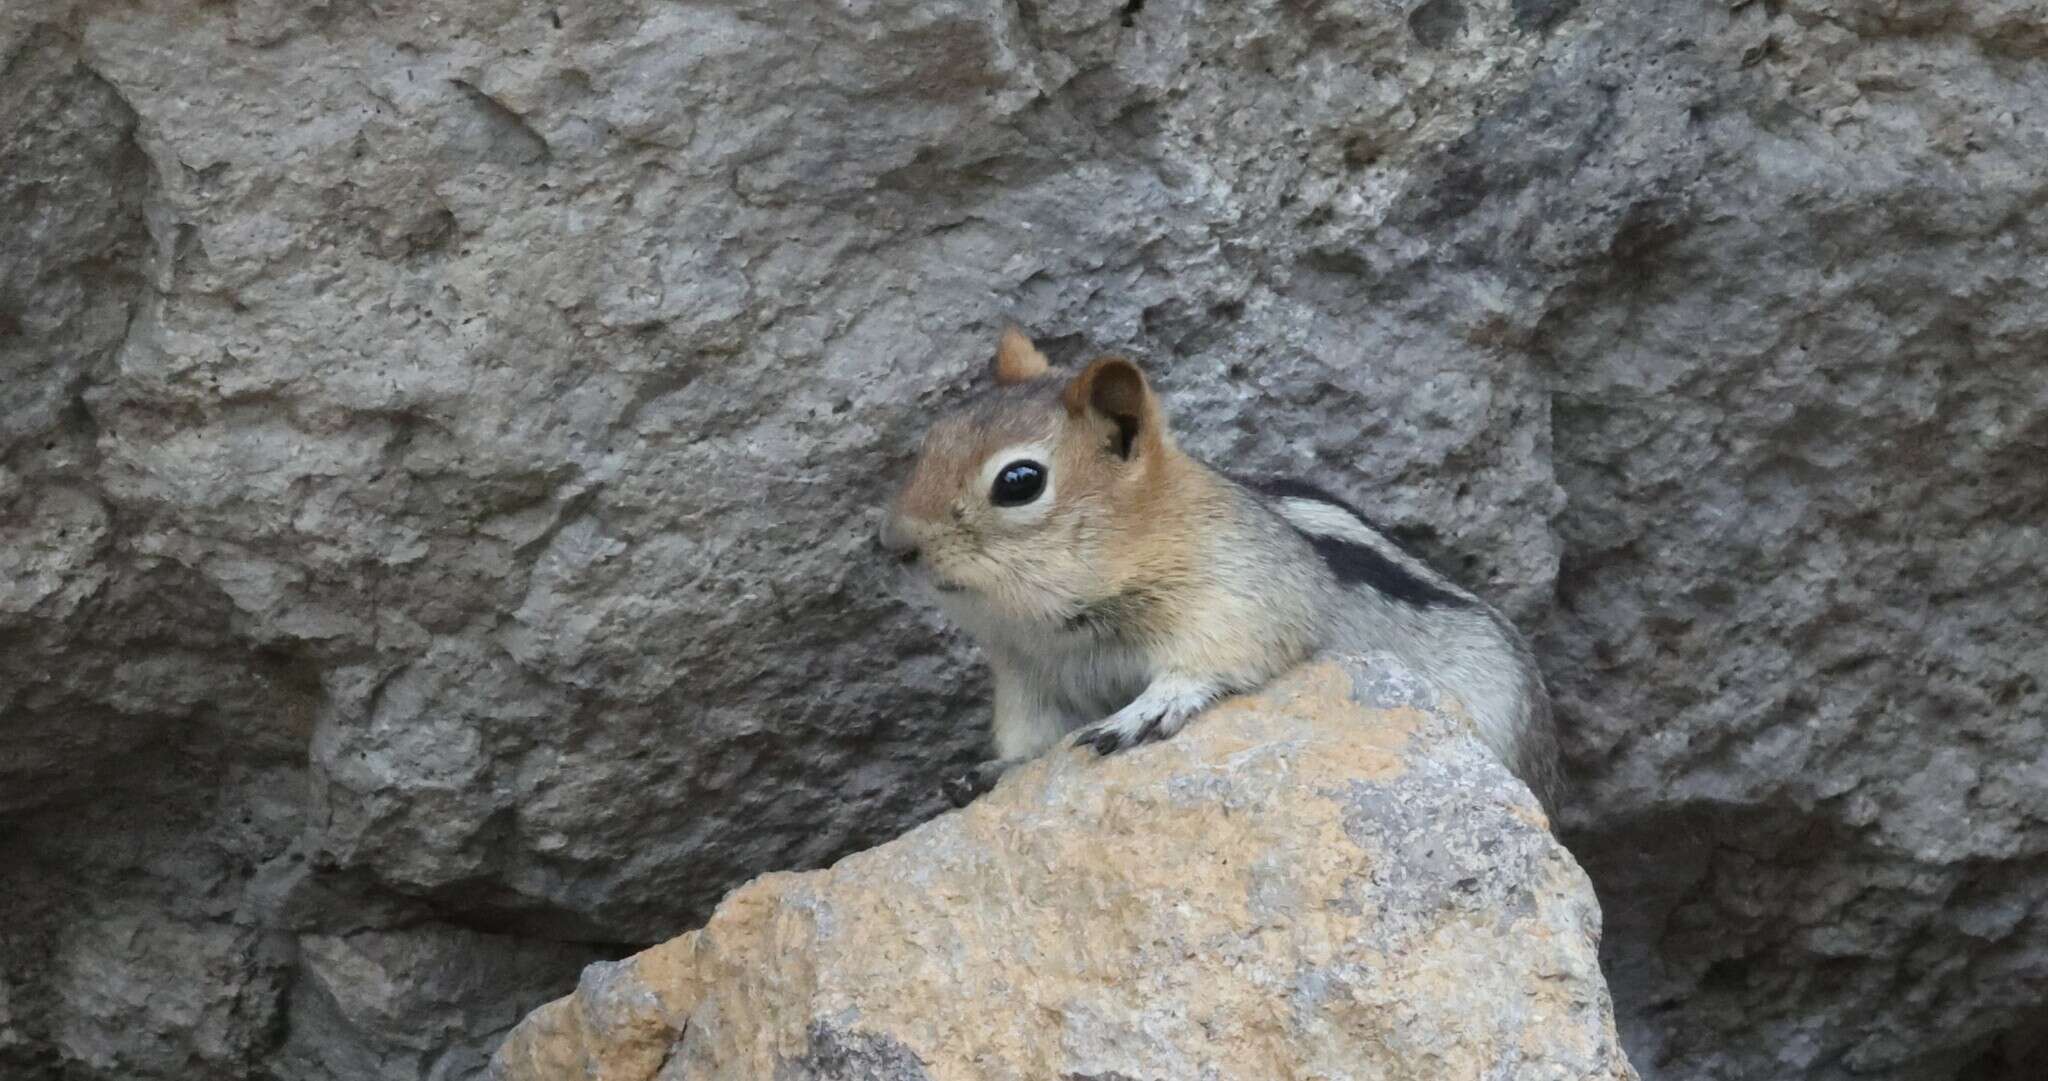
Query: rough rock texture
x=436, y=441
x=1330, y=879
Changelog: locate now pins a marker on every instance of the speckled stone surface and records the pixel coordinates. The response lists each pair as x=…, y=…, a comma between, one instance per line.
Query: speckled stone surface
x=1299, y=886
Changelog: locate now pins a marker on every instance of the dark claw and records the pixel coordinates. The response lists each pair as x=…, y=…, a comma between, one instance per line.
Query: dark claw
x=1151, y=729
x=962, y=790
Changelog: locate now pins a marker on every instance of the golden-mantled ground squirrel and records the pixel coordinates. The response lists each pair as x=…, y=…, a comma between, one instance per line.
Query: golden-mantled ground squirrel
x=1119, y=586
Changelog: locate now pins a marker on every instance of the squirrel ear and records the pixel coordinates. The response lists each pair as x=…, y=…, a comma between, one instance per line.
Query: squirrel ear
x=1017, y=360
x=1113, y=389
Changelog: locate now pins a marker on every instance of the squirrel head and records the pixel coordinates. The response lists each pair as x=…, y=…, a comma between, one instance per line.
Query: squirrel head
x=1025, y=504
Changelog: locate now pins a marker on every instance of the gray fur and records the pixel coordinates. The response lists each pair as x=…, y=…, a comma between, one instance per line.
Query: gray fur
x=1466, y=649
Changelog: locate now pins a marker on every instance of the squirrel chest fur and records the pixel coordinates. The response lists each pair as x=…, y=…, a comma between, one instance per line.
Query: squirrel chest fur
x=1118, y=586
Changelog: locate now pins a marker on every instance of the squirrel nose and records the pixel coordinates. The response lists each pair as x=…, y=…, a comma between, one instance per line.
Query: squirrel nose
x=896, y=541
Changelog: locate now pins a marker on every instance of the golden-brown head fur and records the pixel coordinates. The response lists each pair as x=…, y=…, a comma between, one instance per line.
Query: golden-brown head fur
x=1116, y=488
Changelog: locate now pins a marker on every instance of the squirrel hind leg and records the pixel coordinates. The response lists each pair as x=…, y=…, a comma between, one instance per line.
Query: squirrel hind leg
x=1162, y=710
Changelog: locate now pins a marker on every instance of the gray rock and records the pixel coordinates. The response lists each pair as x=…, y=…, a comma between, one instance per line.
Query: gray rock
x=148, y=996
x=1303, y=885
x=437, y=448
x=426, y=1003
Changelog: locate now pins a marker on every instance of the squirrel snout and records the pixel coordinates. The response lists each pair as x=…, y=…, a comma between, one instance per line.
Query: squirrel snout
x=896, y=541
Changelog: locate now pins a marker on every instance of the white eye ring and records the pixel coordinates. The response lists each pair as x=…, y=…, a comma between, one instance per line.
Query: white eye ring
x=1038, y=454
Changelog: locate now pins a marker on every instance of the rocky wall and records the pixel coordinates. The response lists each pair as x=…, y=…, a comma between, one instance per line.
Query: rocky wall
x=438, y=445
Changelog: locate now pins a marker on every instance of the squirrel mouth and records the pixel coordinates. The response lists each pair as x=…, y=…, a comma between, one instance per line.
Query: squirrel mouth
x=923, y=576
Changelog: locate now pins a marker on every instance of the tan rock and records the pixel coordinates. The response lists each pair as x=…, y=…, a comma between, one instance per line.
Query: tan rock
x=1328, y=880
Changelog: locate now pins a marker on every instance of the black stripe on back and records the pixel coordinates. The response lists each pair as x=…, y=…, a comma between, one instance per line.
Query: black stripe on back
x=1360, y=564
x=1351, y=562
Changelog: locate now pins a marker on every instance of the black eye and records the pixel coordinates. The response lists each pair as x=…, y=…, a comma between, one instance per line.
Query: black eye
x=1017, y=484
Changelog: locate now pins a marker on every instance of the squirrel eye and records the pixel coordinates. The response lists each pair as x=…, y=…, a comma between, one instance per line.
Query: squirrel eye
x=1018, y=483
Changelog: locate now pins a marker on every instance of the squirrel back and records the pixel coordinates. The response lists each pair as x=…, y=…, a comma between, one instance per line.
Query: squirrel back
x=1391, y=599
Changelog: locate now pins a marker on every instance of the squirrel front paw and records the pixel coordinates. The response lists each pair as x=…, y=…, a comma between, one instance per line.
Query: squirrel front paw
x=1120, y=731
x=1161, y=711
x=962, y=790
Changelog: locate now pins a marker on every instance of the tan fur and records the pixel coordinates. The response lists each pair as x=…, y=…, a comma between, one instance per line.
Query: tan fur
x=1017, y=359
x=1141, y=585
